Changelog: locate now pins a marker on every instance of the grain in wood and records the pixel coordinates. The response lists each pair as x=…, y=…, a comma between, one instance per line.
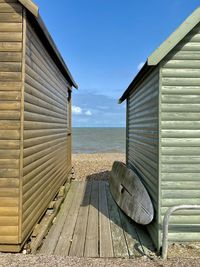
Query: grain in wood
x=78, y=242
x=64, y=242
x=118, y=238
x=134, y=246
x=53, y=236
x=106, y=246
x=92, y=234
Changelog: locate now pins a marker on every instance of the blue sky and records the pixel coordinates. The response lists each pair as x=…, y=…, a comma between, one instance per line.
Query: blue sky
x=103, y=43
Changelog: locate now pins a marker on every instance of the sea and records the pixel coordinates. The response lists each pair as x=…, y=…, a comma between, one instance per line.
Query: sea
x=98, y=140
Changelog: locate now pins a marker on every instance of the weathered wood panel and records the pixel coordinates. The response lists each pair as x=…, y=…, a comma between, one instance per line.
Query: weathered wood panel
x=142, y=138
x=56, y=229
x=120, y=248
x=105, y=238
x=46, y=127
x=79, y=236
x=92, y=231
x=90, y=224
x=10, y=104
x=180, y=136
x=64, y=242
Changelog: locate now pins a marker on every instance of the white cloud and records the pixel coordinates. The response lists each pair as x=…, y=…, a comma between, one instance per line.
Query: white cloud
x=76, y=110
x=88, y=113
x=105, y=110
x=140, y=65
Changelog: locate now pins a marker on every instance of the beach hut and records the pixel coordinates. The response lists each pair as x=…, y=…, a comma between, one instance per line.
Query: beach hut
x=35, y=121
x=163, y=130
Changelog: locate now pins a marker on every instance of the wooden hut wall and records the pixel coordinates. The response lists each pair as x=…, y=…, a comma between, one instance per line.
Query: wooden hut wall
x=142, y=139
x=180, y=136
x=46, y=128
x=10, y=95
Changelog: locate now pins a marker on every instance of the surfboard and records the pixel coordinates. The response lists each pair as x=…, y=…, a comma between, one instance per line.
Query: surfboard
x=130, y=194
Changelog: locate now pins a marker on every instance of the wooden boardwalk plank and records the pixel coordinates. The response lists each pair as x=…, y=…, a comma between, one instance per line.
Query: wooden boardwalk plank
x=50, y=242
x=78, y=241
x=105, y=239
x=147, y=243
x=132, y=240
x=92, y=234
x=119, y=242
x=65, y=238
x=90, y=224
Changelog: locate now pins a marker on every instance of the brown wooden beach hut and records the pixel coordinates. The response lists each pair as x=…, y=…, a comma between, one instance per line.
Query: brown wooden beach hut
x=35, y=121
x=163, y=130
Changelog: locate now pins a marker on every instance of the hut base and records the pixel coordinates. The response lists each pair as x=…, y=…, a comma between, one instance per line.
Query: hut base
x=11, y=248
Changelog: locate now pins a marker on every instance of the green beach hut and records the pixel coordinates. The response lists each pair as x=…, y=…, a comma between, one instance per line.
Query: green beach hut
x=163, y=130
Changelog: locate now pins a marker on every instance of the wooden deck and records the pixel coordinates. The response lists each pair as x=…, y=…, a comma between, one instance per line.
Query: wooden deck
x=90, y=224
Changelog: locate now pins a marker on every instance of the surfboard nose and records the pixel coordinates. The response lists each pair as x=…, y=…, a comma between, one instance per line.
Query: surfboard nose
x=130, y=194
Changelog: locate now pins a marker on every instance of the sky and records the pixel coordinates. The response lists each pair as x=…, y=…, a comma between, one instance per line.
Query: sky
x=104, y=44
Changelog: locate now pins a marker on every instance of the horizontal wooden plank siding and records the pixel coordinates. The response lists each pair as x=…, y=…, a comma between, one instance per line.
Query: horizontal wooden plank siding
x=180, y=136
x=46, y=128
x=10, y=103
x=142, y=138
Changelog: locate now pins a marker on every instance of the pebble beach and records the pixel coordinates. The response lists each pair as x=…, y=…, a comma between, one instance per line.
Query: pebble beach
x=94, y=166
x=13, y=260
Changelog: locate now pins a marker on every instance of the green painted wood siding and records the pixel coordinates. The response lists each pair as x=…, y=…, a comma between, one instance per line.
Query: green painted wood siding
x=142, y=138
x=180, y=136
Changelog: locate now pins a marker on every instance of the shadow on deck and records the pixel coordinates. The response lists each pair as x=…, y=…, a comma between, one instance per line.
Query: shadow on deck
x=90, y=224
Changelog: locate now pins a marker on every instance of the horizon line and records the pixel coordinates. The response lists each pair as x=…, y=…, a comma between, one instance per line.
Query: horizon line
x=98, y=126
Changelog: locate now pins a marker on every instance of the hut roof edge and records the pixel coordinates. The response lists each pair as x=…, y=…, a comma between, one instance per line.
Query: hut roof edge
x=34, y=10
x=155, y=58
